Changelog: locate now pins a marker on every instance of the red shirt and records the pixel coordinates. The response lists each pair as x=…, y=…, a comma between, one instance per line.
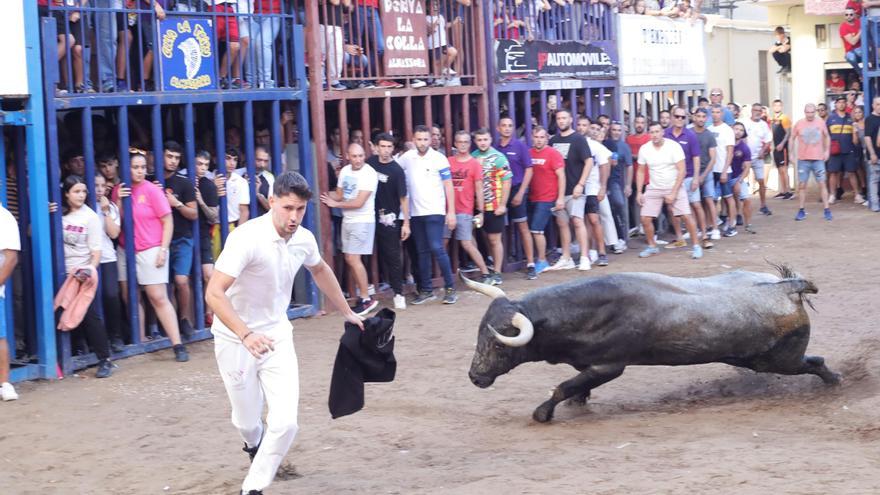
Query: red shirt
x=838, y=87
x=545, y=163
x=369, y=3
x=267, y=6
x=847, y=28
x=464, y=176
x=635, y=142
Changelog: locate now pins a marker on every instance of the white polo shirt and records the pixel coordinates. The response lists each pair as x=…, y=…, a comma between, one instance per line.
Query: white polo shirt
x=8, y=239
x=601, y=157
x=424, y=181
x=758, y=135
x=237, y=193
x=264, y=266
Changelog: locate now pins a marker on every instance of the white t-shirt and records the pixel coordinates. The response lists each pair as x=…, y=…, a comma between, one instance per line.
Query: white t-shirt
x=437, y=39
x=264, y=266
x=601, y=157
x=352, y=182
x=237, y=193
x=661, y=162
x=724, y=137
x=8, y=239
x=82, y=231
x=108, y=251
x=758, y=134
x=424, y=181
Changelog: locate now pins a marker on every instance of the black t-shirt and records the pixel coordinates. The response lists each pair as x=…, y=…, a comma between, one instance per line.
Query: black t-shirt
x=872, y=126
x=575, y=150
x=264, y=190
x=209, y=196
x=184, y=191
x=332, y=16
x=392, y=185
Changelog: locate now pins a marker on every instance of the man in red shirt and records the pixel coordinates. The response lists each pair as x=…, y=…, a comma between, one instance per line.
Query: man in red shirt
x=635, y=141
x=546, y=192
x=851, y=33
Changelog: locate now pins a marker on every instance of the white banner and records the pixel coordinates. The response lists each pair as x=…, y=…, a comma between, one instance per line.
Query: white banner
x=658, y=51
x=12, y=56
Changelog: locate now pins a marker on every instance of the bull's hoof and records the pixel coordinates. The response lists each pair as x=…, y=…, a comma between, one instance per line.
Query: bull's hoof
x=832, y=379
x=544, y=413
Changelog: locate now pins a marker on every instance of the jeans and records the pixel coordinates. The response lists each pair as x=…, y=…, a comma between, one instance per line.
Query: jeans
x=265, y=30
x=873, y=184
x=331, y=48
x=390, y=256
x=105, y=32
x=376, y=38
x=618, y=209
x=92, y=326
x=428, y=233
x=114, y=317
x=854, y=58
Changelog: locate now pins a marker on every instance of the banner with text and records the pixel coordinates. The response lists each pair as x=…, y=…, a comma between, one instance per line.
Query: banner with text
x=405, y=26
x=656, y=51
x=186, y=54
x=552, y=59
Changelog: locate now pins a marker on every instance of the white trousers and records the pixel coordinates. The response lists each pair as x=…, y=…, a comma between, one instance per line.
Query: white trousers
x=608, y=227
x=332, y=49
x=248, y=381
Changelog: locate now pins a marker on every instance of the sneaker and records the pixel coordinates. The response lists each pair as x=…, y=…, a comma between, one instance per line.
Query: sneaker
x=619, y=247
x=365, y=306
x=371, y=289
x=365, y=85
x=584, y=264
x=180, y=354
x=186, y=329
x=677, y=244
x=531, y=272
x=828, y=214
x=766, y=211
x=7, y=392
x=562, y=264
x=831, y=199
x=780, y=195
x=117, y=345
x=750, y=229
x=649, y=251
x=594, y=255
x=399, y=301
x=251, y=451
x=438, y=83
x=801, y=215
x=121, y=86
x=417, y=83
x=453, y=82
x=338, y=87
x=707, y=244
x=660, y=242
x=252, y=492
x=633, y=232
x=496, y=278
x=105, y=369
x=730, y=232
x=541, y=265
x=469, y=267
x=789, y=195
x=603, y=260
x=697, y=252
x=722, y=220
x=424, y=297
x=450, y=297
x=715, y=234
x=739, y=220
x=859, y=200
x=487, y=279
x=386, y=84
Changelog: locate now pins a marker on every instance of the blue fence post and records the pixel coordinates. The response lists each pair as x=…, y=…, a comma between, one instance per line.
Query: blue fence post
x=128, y=227
x=307, y=169
x=249, y=155
x=220, y=157
x=6, y=312
x=197, y=289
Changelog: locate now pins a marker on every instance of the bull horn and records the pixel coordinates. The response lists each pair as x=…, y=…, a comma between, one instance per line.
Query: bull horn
x=485, y=289
x=526, y=332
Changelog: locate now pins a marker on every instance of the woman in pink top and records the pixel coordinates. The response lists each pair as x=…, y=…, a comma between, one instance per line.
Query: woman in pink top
x=153, y=227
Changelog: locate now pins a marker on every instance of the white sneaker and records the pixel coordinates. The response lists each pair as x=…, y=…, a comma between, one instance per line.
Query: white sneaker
x=399, y=302
x=371, y=290
x=562, y=264
x=7, y=392
x=574, y=248
x=660, y=242
x=584, y=265
x=686, y=236
x=417, y=83
x=715, y=235
x=594, y=255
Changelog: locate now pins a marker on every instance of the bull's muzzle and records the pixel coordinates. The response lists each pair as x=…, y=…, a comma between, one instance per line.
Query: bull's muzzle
x=481, y=381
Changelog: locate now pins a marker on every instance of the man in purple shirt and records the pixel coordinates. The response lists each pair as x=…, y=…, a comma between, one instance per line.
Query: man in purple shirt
x=520, y=162
x=690, y=144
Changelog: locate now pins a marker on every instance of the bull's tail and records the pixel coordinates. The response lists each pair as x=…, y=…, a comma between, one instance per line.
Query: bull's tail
x=793, y=283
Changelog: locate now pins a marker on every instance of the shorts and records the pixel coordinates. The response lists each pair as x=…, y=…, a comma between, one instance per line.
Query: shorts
x=654, y=202
x=206, y=249
x=244, y=27
x=357, y=238
x=591, y=206
x=758, y=167
x=145, y=267
x=692, y=196
x=62, y=26
x=225, y=25
x=707, y=190
x=780, y=158
x=744, y=192
x=519, y=213
x=540, y=213
x=817, y=167
x=492, y=223
x=725, y=189
x=847, y=162
x=3, y=317
x=574, y=208
x=464, y=228
x=181, y=253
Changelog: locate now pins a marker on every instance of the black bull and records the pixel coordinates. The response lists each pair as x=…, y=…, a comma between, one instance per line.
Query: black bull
x=601, y=325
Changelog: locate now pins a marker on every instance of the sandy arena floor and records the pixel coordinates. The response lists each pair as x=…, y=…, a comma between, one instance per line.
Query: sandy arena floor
x=160, y=427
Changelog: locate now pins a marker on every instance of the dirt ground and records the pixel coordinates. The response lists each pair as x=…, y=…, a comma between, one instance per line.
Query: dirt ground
x=159, y=427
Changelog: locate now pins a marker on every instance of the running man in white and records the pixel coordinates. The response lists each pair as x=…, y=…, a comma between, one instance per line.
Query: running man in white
x=253, y=343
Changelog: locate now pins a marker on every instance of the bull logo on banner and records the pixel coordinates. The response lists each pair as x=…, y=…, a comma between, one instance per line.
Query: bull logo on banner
x=187, y=54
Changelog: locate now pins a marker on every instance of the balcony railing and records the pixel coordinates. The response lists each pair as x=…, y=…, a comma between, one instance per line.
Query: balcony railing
x=582, y=21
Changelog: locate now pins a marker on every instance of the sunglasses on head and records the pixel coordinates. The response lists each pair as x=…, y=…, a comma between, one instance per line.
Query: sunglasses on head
x=136, y=151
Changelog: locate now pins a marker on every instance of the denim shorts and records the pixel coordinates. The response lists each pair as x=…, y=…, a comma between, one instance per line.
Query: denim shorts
x=181, y=256
x=3, y=318
x=464, y=228
x=743, y=188
x=725, y=188
x=540, y=213
x=817, y=167
x=707, y=190
x=758, y=167
x=693, y=196
x=518, y=213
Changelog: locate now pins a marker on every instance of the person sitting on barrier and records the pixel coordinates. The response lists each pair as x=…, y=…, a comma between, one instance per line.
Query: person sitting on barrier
x=10, y=245
x=142, y=25
x=82, y=237
x=227, y=36
x=442, y=55
x=70, y=33
x=153, y=227
x=114, y=316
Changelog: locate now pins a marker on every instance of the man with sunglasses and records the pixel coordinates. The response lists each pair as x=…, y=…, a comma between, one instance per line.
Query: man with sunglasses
x=851, y=34
x=759, y=138
x=715, y=97
x=690, y=144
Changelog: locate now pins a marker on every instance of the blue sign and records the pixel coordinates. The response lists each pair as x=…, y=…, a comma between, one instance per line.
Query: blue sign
x=186, y=55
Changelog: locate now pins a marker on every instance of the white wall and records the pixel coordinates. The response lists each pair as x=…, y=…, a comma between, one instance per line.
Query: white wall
x=732, y=53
